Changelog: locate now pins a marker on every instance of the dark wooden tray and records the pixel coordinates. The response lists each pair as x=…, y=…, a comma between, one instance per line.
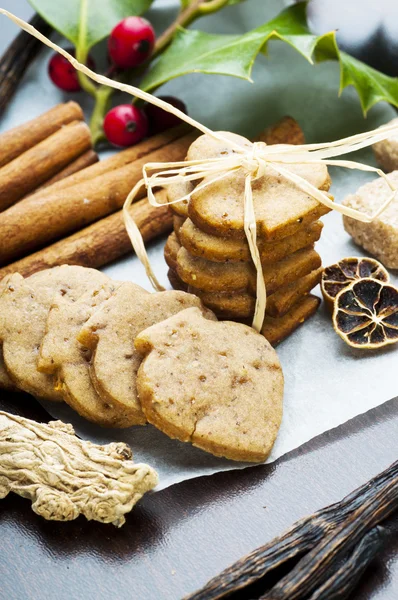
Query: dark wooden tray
x=175, y=540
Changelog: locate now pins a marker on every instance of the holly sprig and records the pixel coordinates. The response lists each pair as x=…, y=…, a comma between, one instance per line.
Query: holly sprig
x=179, y=51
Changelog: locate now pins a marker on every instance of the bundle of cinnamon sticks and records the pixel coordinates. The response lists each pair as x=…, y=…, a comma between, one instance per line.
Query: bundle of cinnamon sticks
x=60, y=206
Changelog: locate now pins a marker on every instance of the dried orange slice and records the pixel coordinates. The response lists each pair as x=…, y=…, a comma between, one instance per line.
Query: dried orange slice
x=338, y=276
x=366, y=314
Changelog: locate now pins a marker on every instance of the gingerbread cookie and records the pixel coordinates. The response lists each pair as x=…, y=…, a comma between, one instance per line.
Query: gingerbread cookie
x=69, y=362
x=202, y=148
x=237, y=277
x=216, y=385
x=276, y=330
x=281, y=207
x=219, y=249
x=179, y=190
x=110, y=334
x=178, y=222
x=176, y=282
x=207, y=146
x=24, y=307
x=241, y=305
x=285, y=131
x=171, y=249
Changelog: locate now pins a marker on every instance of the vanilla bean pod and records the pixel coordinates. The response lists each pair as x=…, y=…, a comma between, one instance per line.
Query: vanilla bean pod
x=302, y=537
x=312, y=570
x=17, y=58
x=344, y=580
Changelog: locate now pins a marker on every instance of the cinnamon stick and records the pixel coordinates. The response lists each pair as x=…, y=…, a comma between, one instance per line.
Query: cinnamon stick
x=20, y=139
x=122, y=158
x=100, y=243
x=36, y=221
x=35, y=166
x=81, y=162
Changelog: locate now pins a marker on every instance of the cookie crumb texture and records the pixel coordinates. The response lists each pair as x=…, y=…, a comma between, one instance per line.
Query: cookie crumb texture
x=216, y=385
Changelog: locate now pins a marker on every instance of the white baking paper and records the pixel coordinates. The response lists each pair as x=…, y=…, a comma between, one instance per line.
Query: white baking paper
x=327, y=382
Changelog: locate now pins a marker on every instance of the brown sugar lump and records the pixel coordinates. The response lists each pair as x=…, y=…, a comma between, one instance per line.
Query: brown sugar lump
x=235, y=277
x=110, y=332
x=24, y=308
x=218, y=385
x=69, y=362
x=241, y=305
x=379, y=238
x=281, y=207
x=386, y=151
x=223, y=249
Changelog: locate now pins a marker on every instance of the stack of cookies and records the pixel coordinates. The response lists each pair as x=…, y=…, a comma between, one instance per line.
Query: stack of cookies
x=208, y=254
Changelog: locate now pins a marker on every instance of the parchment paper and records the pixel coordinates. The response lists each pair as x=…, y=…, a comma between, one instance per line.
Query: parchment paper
x=327, y=383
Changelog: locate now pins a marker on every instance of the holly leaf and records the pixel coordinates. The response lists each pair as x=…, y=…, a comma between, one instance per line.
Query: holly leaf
x=194, y=51
x=86, y=22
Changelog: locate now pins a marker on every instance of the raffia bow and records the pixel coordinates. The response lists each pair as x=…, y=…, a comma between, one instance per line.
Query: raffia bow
x=253, y=161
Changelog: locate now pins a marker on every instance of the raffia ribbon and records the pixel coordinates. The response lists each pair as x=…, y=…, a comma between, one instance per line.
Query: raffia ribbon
x=253, y=161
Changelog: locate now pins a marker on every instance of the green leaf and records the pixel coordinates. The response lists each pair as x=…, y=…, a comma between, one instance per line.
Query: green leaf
x=194, y=51
x=86, y=22
x=372, y=86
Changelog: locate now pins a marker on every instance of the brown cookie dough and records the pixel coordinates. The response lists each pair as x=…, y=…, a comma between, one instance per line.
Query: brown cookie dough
x=281, y=208
x=64, y=357
x=241, y=305
x=216, y=385
x=24, y=307
x=236, y=277
x=223, y=249
x=110, y=334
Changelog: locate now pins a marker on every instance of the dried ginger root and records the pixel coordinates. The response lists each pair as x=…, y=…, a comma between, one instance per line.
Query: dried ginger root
x=65, y=476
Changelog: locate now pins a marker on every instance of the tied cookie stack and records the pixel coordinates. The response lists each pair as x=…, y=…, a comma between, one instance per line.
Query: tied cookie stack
x=208, y=253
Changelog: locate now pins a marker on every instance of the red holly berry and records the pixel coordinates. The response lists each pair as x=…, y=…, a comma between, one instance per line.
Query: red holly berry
x=125, y=125
x=63, y=75
x=131, y=42
x=159, y=119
